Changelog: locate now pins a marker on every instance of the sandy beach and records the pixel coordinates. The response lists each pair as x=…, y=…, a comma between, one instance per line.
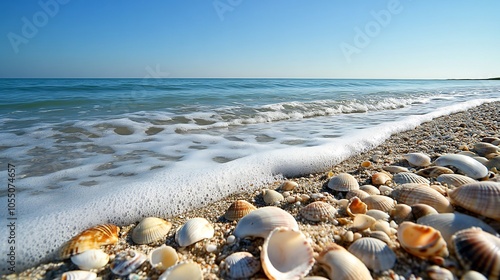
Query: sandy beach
x=448, y=134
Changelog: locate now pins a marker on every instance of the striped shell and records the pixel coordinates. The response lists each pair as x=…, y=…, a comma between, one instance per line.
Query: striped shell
x=483, y=149
x=409, y=178
x=194, y=230
x=380, y=202
x=465, y=164
x=395, y=169
x=150, y=230
x=343, y=182
x=163, y=257
x=127, y=262
x=478, y=250
x=318, y=211
x=91, y=238
x=91, y=259
x=238, y=210
x=272, y=197
x=418, y=159
x=434, y=171
x=356, y=206
x=261, y=222
x=381, y=178
x=374, y=253
x=370, y=189
x=79, y=275
x=421, y=241
x=357, y=193
x=181, y=271
x=482, y=198
x=456, y=180
x=342, y=265
x=411, y=194
x=241, y=265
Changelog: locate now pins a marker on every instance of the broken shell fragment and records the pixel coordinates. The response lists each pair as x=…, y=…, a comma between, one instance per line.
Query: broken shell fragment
x=421, y=241
x=465, y=164
x=150, y=230
x=418, y=159
x=163, y=257
x=343, y=182
x=194, y=230
x=362, y=222
x=318, y=211
x=482, y=198
x=90, y=259
x=241, y=265
x=127, y=262
x=261, y=222
x=342, y=265
x=238, y=210
x=356, y=206
x=91, y=238
x=374, y=253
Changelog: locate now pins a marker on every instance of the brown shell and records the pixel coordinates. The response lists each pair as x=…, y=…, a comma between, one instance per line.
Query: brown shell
x=483, y=149
x=318, y=211
x=238, y=210
x=343, y=182
x=91, y=238
x=434, y=171
x=482, y=198
x=411, y=194
x=379, y=202
x=409, y=178
x=456, y=180
x=381, y=178
x=421, y=241
x=289, y=185
x=357, y=193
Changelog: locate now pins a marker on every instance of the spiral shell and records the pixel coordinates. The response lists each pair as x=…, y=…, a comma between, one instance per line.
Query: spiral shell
x=150, y=230
x=342, y=265
x=434, y=171
x=91, y=238
x=194, y=230
x=418, y=159
x=127, y=262
x=380, y=202
x=343, y=182
x=465, y=164
x=374, y=253
x=241, y=265
x=409, y=178
x=318, y=211
x=79, y=275
x=261, y=222
x=163, y=257
x=456, y=180
x=411, y=194
x=421, y=241
x=481, y=198
x=238, y=210
x=90, y=259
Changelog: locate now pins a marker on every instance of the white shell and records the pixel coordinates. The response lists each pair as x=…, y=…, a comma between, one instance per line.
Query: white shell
x=357, y=193
x=370, y=189
x=241, y=265
x=79, y=275
x=260, y=222
x=409, y=178
x=286, y=254
x=473, y=275
x=194, y=230
x=467, y=165
x=418, y=159
x=183, y=271
x=343, y=182
x=395, y=168
x=127, y=262
x=342, y=265
x=163, y=257
x=456, y=180
x=378, y=214
x=362, y=222
x=374, y=253
x=272, y=197
x=91, y=259
x=380, y=202
x=150, y=230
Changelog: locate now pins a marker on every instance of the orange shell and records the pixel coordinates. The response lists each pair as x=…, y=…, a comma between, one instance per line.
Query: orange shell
x=91, y=238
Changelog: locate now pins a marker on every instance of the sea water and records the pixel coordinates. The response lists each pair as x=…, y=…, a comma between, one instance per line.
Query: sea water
x=90, y=151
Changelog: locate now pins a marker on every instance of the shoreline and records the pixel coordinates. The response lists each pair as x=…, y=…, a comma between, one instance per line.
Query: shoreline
x=444, y=134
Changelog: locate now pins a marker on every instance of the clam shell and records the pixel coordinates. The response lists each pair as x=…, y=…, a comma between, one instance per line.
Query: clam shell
x=90, y=259
x=163, y=257
x=473, y=275
x=411, y=194
x=494, y=163
x=478, y=250
x=79, y=275
x=418, y=159
x=241, y=265
x=272, y=197
x=286, y=254
x=318, y=211
x=483, y=149
x=421, y=241
x=439, y=273
x=362, y=222
x=380, y=202
x=374, y=253
x=91, y=238
x=420, y=210
x=289, y=185
x=395, y=169
x=490, y=139
x=127, y=262
x=343, y=182
x=370, y=189
x=261, y=222
x=378, y=214
x=409, y=178
x=356, y=206
x=402, y=212
x=482, y=198
x=194, y=230
x=465, y=164
x=238, y=210
x=183, y=271
x=342, y=265
x=381, y=235
x=357, y=193
x=456, y=180
x=150, y=230
x=434, y=171
x=381, y=178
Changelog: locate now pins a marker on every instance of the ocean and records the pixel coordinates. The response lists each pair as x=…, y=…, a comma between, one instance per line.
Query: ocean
x=90, y=151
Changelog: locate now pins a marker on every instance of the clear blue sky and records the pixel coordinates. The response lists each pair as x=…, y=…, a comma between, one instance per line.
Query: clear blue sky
x=250, y=38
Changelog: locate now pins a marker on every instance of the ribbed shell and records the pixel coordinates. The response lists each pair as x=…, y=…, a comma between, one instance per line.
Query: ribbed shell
x=434, y=171
x=370, y=189
x=127, y=262
x=272, y=197
x=467, y=165
x=374, y=253
x=91, y=238
x=421, y=241
x=456, y=180
x=241, y=265
x=411, y=194
x=261, y=222
x=342, y=265
x=357, y=193
x=409, y=178
x=483, y=149
x=194, y=230
x=79, y=275
x=381, y=178
x=395, y=169
x=482, y=198
x=478, y=250
x=318, y=211
x=343, y=182
x=91, y=259
x=238, y=210
x=150, y=230
x=380, y=202
x=418, y=159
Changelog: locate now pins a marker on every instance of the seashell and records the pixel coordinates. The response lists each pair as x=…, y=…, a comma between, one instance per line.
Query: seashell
x=421, y=210
x=409, y=178
x=343, y=182
x=378, y=215
x=482, y=198
x=418, y=159
x=411, y=194
x=380, y=202
x=381, y=178
x=342, y=265
x=370, y=189
x=315, y=278
x=357, y=193
x=465, y=164
x=490, y=139
x=272, y=197
x=261, y=222
x=493, y=163
x=385, y=190
x=318, y=211
x=439, y=188
x=421, y=241
x=468, y=153
x=356, y=206
x=478, y=250
x=383, y=226
x=79, y=275
x=91, y=259
x=456, y=180
x=483, y=149
x=183, y=271
x=127, y=262
x=238, y=210
x=438, y=273
x=150, y=230
x=473, y=275
x=194, y=230
x=362, y=222
x=91, y=238
x=366, y=164
x=163, y=257
x=395, y=169
x=289, y=185
x=434, y=171
x=482, y=160
x=402, y=212
x=374, y=253
x=286, y=254
x=450, y=223
x=241, y=265
x=380, y=235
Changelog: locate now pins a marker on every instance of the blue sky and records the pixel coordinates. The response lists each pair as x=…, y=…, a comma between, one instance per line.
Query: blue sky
x=250, y=38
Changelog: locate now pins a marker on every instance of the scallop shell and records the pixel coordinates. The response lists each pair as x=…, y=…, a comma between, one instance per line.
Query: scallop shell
x=434, y=171
x=91, y=238
x=356, y=206
x=409, y=178
x=286, y=254
x=194, y=230
x=374, y=253
x=478, y=250
x=395, y=169
x=421, y=241
x=372, y=190
x=402, y=212
x=456, y=180
x=272, y=197
x=343, y=182
x=482, y=198
x=79, y=275
x=163, y=257
x=91, y=259
x=450, y=223
x=289, y=185
x=381, y=178
x=150, y=230
x=465, y=164
x=380, y=202
x=483, y=149
x=238, y=210
x=261, y=222
x=183, y=271
x=127, y=262
x=241, y=265
x=420, y=210
x=418, y=159
x=411, y=194
x=357, y=193
x=342, y=265
x=318, y=211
